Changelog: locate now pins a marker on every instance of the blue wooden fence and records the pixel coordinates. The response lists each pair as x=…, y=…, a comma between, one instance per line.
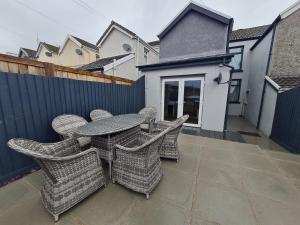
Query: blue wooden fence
x=28, y=104
x=286, y=123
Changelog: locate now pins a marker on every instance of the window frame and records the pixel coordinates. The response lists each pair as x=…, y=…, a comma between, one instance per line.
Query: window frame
x=240, y=82
x=146, y=52
x=242, y=58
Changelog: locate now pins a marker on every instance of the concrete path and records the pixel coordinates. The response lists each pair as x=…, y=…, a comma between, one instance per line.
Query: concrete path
x=215, y=182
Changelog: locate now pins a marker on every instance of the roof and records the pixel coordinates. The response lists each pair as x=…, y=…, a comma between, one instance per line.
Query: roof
x=113, y=23
x=153, y=43
x=248, y=33
x=100, y=63
x=51, y=48
x=29, y=52
x=85, y=43
x=202, y=9
x=215, y=59
x=287, y=82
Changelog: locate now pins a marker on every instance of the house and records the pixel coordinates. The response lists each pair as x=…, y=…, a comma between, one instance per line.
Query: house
x=192, y=76
x=121, y=51
x=27, y=53
x=275, y=67
x=47, y=53
x=75, y=52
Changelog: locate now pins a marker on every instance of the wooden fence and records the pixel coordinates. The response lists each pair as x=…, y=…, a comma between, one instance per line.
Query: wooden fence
x=13, y=64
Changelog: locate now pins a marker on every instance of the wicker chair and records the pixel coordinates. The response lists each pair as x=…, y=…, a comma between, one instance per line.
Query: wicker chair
x=65, y=125
x=150, y=113
x=69, y=174
x=99, y=114
x=169, y=148
x=137, y=164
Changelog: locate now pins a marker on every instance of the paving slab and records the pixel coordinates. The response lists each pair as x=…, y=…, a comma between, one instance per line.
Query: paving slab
x=15, y=193
x=216, y=171
x=222, y=205
x=258, y=162
x=270, y=212
x=176, y=186
x=156, y=212
x=291, y=169
x=272, y=186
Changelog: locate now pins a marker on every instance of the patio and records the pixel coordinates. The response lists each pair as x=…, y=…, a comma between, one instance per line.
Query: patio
x=215, y=182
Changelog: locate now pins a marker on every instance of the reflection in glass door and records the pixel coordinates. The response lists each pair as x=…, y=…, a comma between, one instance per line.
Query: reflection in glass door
x=171, y=89
x=183, y=96
x=191, y=100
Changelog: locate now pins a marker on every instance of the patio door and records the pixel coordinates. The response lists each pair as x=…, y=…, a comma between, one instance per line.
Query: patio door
x=182, y=96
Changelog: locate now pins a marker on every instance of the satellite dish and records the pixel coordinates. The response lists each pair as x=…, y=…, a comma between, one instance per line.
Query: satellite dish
x=49, y=54
x=78, y=51
x=127, y=47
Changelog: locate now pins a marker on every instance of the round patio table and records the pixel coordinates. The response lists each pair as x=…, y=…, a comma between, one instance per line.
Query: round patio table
x=109, y=126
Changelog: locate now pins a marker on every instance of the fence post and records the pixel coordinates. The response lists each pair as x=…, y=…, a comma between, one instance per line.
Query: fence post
x=49, y=69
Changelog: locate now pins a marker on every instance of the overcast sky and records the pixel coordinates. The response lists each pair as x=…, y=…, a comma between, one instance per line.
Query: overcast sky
x=22, y=22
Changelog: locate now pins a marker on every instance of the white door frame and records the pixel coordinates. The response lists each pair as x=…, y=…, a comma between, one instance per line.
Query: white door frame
x=181, y=81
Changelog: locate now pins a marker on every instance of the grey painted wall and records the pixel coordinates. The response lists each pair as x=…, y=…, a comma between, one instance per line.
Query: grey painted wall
x=214, y=96
x=194, y=35
x=258, y=65
x=268, y=110
x=238, y=109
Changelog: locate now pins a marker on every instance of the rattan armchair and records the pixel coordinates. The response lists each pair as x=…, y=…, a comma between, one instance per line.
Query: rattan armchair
x=137, y=164
x=69, y=174
x=99, y=114
x=66, y=124
x=169, y=148
x=150, y=113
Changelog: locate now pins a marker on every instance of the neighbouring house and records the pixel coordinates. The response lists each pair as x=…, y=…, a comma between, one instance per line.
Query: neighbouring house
x=27, y=53
x=192, y=76
x=74, y=53
x=77, y=52
x=121, y=51
x=155, y=45
x=275, y=67
x=47, y=53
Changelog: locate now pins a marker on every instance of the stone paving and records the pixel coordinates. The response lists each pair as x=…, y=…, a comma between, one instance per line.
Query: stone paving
x=215, y=183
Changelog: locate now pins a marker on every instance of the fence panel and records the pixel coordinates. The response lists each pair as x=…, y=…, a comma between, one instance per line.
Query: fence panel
x=286, y=124
x=28, y=104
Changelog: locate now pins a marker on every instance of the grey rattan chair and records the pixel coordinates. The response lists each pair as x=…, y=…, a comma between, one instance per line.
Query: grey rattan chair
x=137, y=164
x=169, y=148
x=99, y=114
x=150, y=113
x=65, y=125
x=69, y=174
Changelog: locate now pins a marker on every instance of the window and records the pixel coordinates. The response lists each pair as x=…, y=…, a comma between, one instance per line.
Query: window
x=237, y=60
x=146, y=51
x=235, y=89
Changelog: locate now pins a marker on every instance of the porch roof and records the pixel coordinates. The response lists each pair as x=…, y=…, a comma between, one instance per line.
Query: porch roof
x=206, y=60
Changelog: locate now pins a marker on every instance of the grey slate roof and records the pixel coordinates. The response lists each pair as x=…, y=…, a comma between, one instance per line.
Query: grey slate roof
x=51, y=48
x=248, y=33
x=85, y=43
x=287, y=82
x=153, y=43
x=31, y=53
x=99, y=64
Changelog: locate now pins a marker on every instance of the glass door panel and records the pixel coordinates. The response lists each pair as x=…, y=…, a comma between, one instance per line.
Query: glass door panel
x=171, y=100
x=191, y=100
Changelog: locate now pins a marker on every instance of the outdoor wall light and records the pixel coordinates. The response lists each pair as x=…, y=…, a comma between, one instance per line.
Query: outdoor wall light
x=218, y=79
